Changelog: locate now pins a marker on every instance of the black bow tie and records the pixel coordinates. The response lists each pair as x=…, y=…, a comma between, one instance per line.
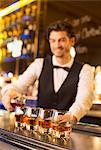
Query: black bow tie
x=65, y=68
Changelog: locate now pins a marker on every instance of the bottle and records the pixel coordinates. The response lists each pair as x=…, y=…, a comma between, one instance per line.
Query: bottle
x=23, y=101
x=18, y=102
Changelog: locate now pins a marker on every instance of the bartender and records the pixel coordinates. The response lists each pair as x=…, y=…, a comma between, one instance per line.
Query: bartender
x=63, y=83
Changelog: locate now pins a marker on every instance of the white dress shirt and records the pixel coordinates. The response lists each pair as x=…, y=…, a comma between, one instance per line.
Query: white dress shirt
x=84, y=97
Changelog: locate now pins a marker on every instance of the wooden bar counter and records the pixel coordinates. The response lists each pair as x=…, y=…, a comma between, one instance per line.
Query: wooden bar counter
x=83, y=136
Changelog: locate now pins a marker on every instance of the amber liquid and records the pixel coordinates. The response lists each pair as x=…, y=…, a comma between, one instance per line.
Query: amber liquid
x=18, y=122
x=60, y=128
x=24, y=119
x=30, y=121
x=45, y=123
x=19, y=117
x=14, y=104
x=60, y=131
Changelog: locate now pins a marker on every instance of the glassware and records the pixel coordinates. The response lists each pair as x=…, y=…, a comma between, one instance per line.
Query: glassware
x=18, y=101
x=44, y=120
x=19, y=117
x=60, y=130
x=18, y=104
x=30, y=119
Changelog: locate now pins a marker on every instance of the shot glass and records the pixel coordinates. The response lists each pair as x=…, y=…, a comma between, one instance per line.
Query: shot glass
x=30, y=119
x=19, y=117
x=60, y=130
x=18, y=101
x=44, y=120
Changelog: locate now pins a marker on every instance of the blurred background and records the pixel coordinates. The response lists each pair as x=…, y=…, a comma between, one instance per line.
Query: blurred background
x=23, y=36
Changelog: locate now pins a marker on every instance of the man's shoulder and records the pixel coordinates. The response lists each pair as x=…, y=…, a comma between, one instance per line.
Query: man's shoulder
x=38, y=60
x=84, y=66
x=87, y=66
x=43, y=58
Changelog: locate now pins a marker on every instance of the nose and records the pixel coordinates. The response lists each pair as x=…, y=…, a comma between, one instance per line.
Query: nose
x=57, y=44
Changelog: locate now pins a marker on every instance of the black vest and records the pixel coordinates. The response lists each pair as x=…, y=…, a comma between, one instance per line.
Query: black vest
x=64, y=98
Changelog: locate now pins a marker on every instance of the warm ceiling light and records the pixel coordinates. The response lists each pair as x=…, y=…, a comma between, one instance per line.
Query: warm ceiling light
x=14, y=6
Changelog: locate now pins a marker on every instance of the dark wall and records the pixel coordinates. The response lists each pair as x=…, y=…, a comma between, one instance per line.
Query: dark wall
x=10, y=66
x=75, y=11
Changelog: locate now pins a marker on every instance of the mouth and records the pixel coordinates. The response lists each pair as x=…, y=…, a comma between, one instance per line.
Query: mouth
x=58, y=49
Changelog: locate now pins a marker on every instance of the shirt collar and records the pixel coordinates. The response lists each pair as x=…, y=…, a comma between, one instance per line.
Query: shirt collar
x=69, y=64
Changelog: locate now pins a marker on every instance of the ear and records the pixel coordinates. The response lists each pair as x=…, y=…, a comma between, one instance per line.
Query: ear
x=73, y=41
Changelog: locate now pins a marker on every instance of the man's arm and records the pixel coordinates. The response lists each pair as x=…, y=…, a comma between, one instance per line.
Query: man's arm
x=7, y=96
x=25, y=80
x=84, y=97
x=85, y=94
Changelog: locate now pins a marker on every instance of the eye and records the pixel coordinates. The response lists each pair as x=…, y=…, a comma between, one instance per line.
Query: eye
x=51, y=40
x=63, y=40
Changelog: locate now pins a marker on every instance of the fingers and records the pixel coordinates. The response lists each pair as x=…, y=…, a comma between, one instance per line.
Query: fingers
x=68, y=118
x=6, y=103
x=6, y=99
x=9, y=107
x=64, y=118
x=13, y=94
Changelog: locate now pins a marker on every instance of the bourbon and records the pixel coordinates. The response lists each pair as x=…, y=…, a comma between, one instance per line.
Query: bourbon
x=18, y=102
x=31, y=118
x=19, y=117
x=44, y=120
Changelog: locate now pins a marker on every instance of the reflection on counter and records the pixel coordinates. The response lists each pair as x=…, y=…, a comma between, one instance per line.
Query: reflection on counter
x=7, y=120
x=42, y=121
x=80, y=140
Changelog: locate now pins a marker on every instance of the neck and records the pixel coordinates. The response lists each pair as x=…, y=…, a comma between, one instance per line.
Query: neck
x=63, y=60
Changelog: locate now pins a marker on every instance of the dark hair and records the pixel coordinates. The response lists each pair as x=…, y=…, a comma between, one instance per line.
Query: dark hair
x=61, y=26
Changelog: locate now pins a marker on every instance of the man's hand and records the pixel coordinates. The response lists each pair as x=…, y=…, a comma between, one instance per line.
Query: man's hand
x=67, y=118
x=6, y=99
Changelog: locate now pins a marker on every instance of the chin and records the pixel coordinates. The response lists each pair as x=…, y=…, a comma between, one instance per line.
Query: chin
x=58, y=55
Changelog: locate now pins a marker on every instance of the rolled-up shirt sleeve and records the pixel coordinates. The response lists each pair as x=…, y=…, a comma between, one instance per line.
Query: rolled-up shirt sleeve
x=85, y=95
x=27, y=78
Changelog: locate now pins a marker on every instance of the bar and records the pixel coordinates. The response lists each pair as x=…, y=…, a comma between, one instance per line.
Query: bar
x=81, y=137
x=23, y=39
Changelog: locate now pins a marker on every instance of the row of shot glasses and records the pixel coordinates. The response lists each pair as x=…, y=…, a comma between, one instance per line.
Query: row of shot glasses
x=39, y=120
x=42, y=121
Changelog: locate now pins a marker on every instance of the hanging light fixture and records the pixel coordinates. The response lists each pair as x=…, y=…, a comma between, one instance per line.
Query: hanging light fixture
x=14, y=6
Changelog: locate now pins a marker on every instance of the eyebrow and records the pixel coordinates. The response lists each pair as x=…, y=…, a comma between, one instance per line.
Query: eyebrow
x=58, y=39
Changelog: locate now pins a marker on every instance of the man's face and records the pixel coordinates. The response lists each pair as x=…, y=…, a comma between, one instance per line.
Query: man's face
x=60, y=43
